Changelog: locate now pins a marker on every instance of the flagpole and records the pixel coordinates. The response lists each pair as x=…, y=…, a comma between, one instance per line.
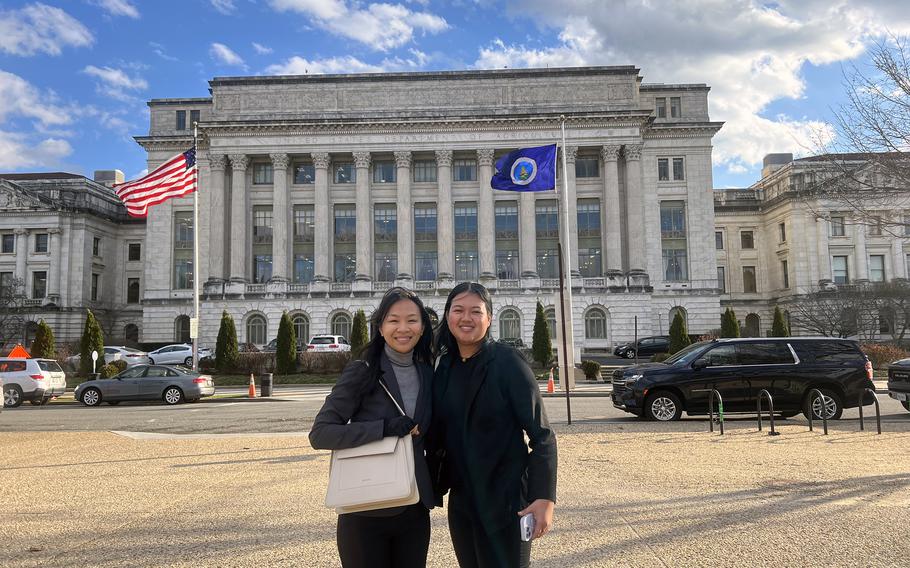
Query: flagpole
x=195, y=335
x=565, y=279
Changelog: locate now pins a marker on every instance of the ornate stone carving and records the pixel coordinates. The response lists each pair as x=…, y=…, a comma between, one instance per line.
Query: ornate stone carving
x=444, y=158
x=217, y=161
x=403, y=159
x=362, y=159
x=20, y=232
x=571, y=154
x=55, y=230
x=280, y=161
x=632, y=152
x=321, y=159
x=485, y=156
x=239, y=162
x=610, y=153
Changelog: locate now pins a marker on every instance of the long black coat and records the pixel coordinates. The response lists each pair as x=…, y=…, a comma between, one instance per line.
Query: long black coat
x=503, y=403
x=367, y=411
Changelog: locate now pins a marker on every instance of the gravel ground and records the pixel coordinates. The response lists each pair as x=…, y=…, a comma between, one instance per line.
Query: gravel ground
x=629, y=495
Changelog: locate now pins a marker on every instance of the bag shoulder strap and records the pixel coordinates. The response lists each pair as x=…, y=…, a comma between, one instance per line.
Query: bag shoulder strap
x=395, y=402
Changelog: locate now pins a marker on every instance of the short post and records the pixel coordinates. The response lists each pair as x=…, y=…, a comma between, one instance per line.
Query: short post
x=823, y=413
x=765, y=393
x=878, y=413
x=720, y=410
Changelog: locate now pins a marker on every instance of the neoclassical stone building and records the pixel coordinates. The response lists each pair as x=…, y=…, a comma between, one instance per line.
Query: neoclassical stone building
x=317, y=193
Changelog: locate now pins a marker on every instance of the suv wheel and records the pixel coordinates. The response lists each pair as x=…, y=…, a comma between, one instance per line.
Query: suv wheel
x=188, y=362
x=12, y=396
x=663, y=406
x=833, y=406
x=172, y=395
x=630, y=354
x=151, y=361
x=91, y=397
x=906, y=404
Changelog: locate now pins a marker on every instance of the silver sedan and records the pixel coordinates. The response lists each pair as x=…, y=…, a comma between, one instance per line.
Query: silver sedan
x=171, y=384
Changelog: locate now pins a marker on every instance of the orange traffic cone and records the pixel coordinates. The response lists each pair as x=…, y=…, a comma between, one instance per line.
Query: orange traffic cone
x=550, y=385
x=252, y=387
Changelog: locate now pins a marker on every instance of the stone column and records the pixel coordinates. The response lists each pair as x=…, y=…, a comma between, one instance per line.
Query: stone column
x=280, y=212
x=216, y=217
x=486, y=234
x=21, y=254
x=898, y=265
x=322, y=216
x=405, y=214
x=822, y=230
x=861, y=256
x=55, y=267
x=364, y=227
x=635, y=201
x=612, y=233
x=571, y=202
x=527, y=234
x=239, y=163
x=445, y=219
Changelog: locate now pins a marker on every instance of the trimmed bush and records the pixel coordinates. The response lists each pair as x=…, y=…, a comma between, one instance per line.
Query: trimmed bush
x=92, y=340
x=541, y=346
x=359, y=336
x=679, y=336
x=44, y=346
x=779, y=327
x=226, y=348
x=883, y=354
x=591, y=369
x=729, y=326
x=323, y=363
x=256, y=363
x=109, y=371
x=120, y=364
x=286, y=351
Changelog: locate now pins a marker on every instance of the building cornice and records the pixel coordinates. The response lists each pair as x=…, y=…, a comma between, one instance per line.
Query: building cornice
x=659, y=131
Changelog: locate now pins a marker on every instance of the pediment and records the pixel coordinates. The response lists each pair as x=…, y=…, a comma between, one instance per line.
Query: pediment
x=14, y=198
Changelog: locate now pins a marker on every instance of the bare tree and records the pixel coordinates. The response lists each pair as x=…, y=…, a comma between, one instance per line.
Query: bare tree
x=861, y=310
x=12, y=318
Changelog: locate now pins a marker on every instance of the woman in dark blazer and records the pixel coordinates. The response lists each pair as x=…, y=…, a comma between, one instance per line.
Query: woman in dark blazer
x=358, y=411
x=485, y=399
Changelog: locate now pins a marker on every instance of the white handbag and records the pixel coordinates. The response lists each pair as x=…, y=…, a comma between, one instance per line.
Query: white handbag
x=376, y=475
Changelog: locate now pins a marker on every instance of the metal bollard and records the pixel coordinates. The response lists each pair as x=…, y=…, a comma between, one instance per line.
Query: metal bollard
x=812, y=410
x=878, y=413
x=764, y=392
x=720, y=410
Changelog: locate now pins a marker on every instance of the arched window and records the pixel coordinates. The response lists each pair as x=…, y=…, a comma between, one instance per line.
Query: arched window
x=301, y=327
x=886, y=317
x=595, y=324
x=341, y=325
x=509, y=324
x=550, y=315
x=257, y=330
x=677, y=310
x=131, y=334
x=182, y=329
x=753, y=326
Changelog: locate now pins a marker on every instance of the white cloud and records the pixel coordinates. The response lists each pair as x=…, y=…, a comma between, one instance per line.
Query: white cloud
x=749, y=54
x=115, y=83
x=226, y=7
x=17, y=153
x=39, y=28
x=261, y=49
x=118, y=8
x=348, y=64
x=224, y=54
x=158, y=49
x=379, y=26
x=18, y=98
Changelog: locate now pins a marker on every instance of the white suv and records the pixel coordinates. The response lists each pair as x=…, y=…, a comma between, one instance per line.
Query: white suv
x=35, y=380
x=328, y=344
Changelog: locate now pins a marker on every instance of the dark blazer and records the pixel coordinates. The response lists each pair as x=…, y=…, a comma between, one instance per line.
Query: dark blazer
x=367, y=411
x=503, y=403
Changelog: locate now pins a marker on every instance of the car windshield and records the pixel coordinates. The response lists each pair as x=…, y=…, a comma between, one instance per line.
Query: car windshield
x=687, y=354
x=322, y=340
x=50, y=366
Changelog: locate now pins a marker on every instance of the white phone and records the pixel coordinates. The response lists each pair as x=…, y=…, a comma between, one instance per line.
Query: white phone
x=527, y=527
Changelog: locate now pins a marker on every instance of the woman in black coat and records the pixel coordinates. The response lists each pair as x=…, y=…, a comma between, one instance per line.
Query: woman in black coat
x=358, y=411
x=485, y=400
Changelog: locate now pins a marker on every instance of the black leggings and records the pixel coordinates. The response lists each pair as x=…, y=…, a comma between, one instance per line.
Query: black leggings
x=400, y=541
x=474, y=548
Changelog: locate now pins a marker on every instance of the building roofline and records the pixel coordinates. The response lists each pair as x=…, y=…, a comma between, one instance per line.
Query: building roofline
x=183, y=101
x=674, y=87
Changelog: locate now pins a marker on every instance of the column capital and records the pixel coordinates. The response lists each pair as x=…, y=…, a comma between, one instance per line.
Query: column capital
x=280, y=161
x=55, y=230
x=632, y=151
x=571, y=154
x=485, y=156
x=444, y=158
x=239, y=162
x=321, y=160
x=20, y=231
x=362, y=159
x=610, y=153
x=217, y=161
x=403, y=159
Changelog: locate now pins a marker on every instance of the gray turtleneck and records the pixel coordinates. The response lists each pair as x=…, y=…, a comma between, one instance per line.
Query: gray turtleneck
x=407, y=376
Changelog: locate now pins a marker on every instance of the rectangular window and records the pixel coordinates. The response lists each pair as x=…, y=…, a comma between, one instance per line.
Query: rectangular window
x=465, y=265
x=587, y=167
x=6, y=283
x=9, y=243
x=465, y=222
x=588, y=218
x=749, y=283
x=722, y=279
x=506, y=220
x=194, y=117
x=875, y=228
x=837, y=227
x=384, y=172
x=839, y=270
x=304, y=173
x=132, y=290
x=345, y=224
x=679, y=169
x=906, y=223
x=877, y=268
x=345, y=267
x=547, y=262
x=262, y=268
x=345, y=172
x=385, y=266
x=660, y=105
x=589, y=262
x=304, y=266
x=663, y=169
x=304, y=224
x=96, y=246
x=546, y=218
x=464, y=170
x=425, y=223
x=782, y=232
x=183, y=250
x=96, y=281
x=41, y=243
x=719, y=240
x=507, y=264
x=39, y=285
x=262, y=174
x=425, y=265
x=746, y=240
x=181, y=120
x=675, y=107
x=385, y=222
x=134, y=252
x=262, y=225
x=785, y=272
x=424, y=171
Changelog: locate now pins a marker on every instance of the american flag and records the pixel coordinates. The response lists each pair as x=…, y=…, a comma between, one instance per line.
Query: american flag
x=174, y=178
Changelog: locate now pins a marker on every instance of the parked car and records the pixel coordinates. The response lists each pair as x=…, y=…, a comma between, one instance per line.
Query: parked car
x=899, y=381
x=112, y=353
x=177, y=354
x=787, y=367
x=645, y=347
x=172, y=384
x=35, y=380
x=272, y=345
x=515, y=342
x=328, y=344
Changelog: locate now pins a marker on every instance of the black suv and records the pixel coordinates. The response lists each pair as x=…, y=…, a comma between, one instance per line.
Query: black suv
x=787, y=367
x=899, y=381
x=647, y=346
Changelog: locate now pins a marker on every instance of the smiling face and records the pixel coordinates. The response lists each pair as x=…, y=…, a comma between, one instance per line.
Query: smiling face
x=468, y=321
x=402, y=327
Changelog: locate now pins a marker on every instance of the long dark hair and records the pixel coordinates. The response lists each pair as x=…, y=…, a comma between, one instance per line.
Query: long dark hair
x=372, y=351
x=445, y=341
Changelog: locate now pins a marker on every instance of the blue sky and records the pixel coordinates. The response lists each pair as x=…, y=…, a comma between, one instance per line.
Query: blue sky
x=75, y=74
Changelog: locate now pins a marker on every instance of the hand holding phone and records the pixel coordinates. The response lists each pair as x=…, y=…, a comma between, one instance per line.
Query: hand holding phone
x=527, y=527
